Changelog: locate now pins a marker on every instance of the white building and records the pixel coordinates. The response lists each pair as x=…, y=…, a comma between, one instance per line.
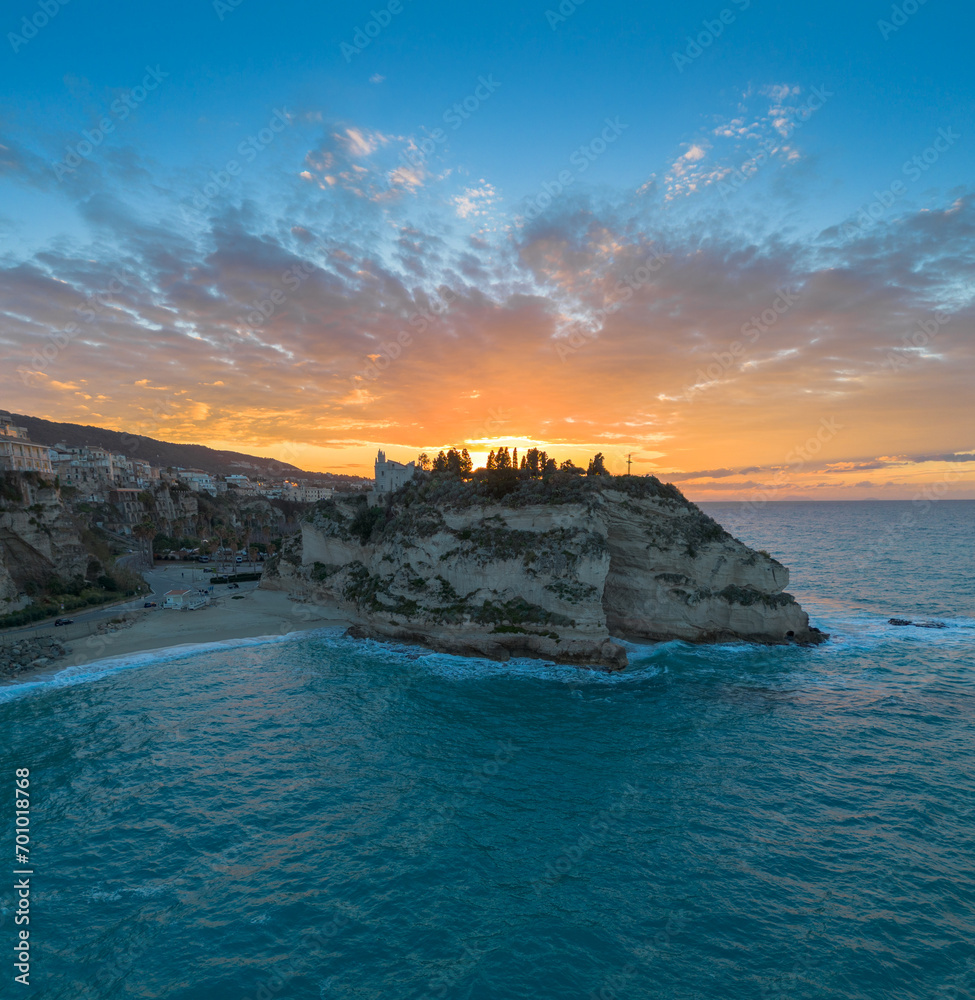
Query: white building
x=19, y=454
x=242, y=483
x=184, y=599
x=303, y=493
x=89, y=466
x=391, y=475
x=198, y=481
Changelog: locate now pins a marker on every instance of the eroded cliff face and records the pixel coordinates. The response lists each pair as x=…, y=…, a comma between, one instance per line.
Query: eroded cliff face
x=38, y=542
x=552, y=575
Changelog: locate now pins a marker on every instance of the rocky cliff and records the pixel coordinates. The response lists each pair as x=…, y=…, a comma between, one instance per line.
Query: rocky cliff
x=39, y=540
x=548, y=569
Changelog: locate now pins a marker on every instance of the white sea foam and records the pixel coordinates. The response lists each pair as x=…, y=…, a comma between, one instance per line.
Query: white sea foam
x=99, y=669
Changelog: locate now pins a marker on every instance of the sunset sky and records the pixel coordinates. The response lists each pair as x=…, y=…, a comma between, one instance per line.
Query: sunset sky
x=736, y=242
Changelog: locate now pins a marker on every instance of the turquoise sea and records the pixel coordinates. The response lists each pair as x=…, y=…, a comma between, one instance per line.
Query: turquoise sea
x=316, y=818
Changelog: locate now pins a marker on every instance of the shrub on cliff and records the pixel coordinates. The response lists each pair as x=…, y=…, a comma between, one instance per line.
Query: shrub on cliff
x=366, y=521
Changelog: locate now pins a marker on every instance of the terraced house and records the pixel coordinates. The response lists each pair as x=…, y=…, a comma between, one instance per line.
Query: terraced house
x=19, y=454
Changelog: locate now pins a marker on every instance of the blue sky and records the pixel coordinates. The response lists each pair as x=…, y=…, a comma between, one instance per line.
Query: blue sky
x=228, y=67
x=705, y=129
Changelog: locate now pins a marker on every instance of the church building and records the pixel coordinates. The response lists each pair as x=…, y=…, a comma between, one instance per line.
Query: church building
x=391, y=475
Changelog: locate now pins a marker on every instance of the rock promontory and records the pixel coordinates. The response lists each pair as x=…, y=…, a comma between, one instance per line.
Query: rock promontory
x=549, y=569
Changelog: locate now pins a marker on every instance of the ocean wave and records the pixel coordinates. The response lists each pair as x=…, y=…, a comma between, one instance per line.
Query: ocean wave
x=99, y=669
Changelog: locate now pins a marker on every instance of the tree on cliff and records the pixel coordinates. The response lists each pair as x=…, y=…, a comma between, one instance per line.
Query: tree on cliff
x=455, y=462
x=597, y=467
x=534, y=463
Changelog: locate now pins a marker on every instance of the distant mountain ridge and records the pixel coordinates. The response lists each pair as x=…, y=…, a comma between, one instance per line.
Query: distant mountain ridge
x=161, y=453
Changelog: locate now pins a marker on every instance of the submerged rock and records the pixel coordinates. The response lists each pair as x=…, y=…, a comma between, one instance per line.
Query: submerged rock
x=550, y=570
x=907, y=621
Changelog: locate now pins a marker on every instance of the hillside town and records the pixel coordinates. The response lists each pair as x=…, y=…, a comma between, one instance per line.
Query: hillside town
x=81, y=524
x=127, y=491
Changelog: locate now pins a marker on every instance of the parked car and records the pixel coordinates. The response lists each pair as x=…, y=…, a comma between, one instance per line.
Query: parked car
x=64, y=621
x=233, y=586
x=149, y=604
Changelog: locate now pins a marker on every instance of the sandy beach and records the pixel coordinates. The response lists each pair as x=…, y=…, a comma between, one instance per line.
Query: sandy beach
x=247, y=613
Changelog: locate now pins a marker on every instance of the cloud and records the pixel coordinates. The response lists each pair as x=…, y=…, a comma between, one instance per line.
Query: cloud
x=739, y=146
x=261, y=322
x=475, y=202
x=950, y=457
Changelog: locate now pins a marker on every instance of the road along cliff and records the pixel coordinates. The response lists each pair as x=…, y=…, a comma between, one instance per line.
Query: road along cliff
x=550, y=569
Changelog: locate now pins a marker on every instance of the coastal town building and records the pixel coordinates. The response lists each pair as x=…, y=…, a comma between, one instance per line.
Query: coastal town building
x=127, y=501
x=198, y=480
x=87, y=468
x=184, y=599
x=239, y=482
x=391, y=475
x=19, y=454
x=302, y=493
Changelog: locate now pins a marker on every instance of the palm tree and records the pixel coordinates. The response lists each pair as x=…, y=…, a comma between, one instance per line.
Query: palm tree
x=145, y=532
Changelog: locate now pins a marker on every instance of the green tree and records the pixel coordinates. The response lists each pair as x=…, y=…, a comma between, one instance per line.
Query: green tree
x=145, y=532
x=440, y=462
x=597, y=467
x=423, y=461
